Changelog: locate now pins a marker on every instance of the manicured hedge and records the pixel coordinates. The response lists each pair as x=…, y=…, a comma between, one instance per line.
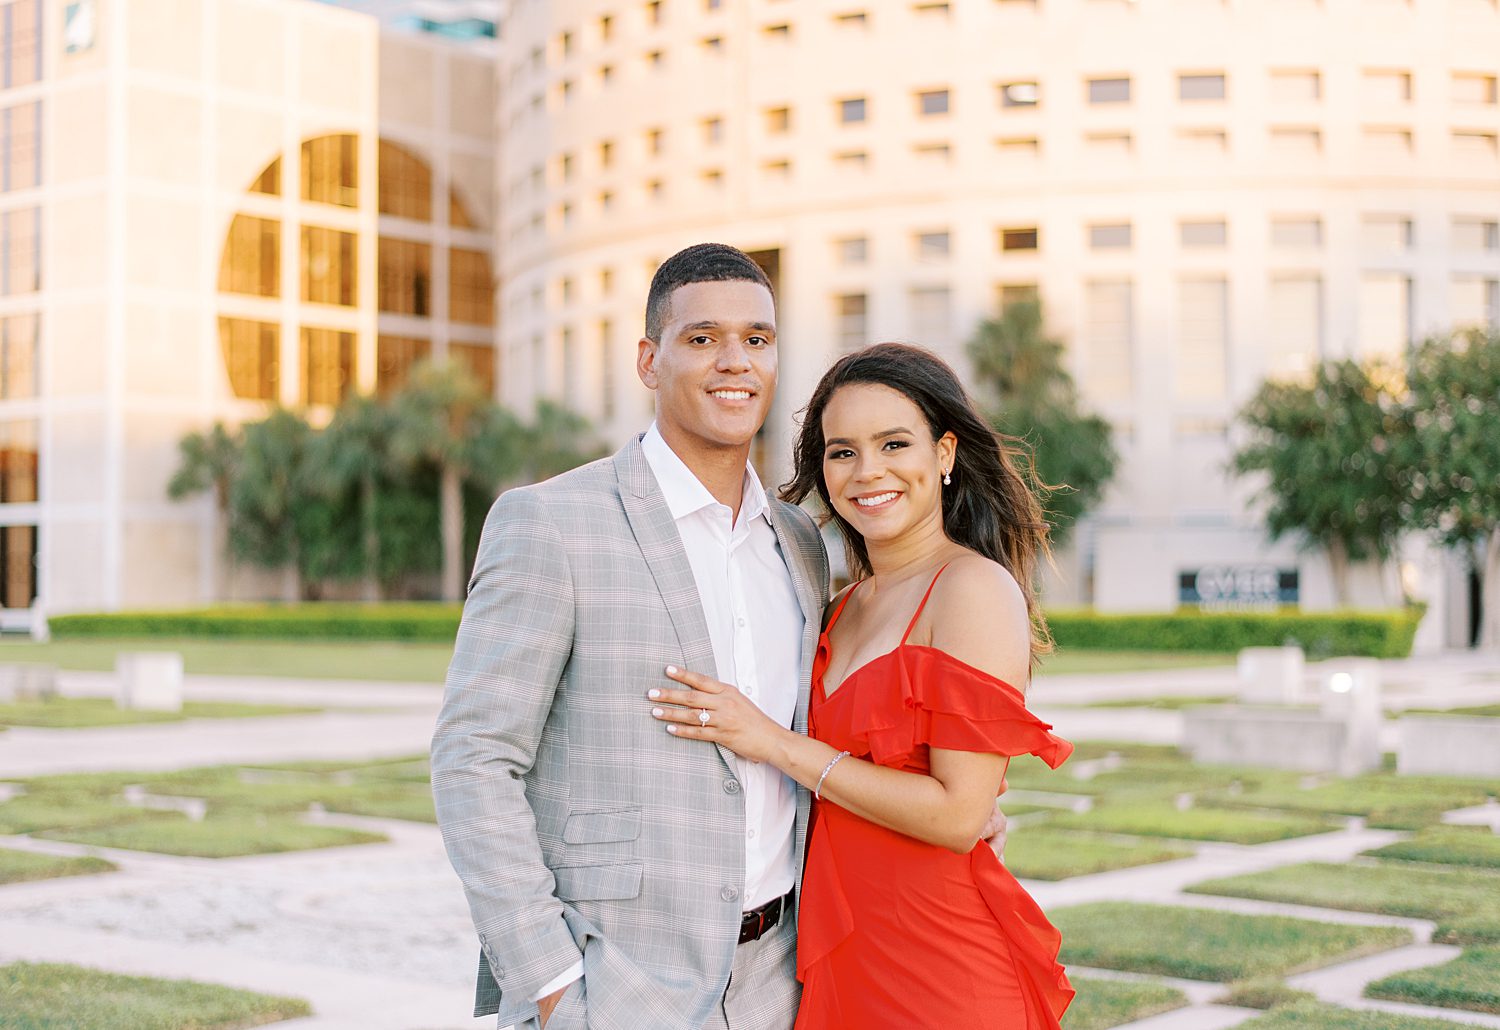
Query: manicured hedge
x=431, y=622
x=1372, y=634
x=1375, y=634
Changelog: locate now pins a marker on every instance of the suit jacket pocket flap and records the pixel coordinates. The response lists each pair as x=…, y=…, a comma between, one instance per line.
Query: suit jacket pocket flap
x=602, y=827
x=598, y=882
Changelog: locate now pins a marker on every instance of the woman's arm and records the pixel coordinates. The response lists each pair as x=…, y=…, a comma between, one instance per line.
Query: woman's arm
x=948, y=807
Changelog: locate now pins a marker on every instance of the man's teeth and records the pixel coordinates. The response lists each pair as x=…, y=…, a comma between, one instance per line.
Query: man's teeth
x=870, y=502
x=732, y=395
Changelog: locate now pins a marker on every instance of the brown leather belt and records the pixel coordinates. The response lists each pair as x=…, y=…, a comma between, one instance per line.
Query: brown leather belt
x=758, y=921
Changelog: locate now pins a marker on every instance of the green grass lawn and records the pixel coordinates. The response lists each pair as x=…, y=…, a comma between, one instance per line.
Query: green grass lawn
x=76, y=712
x=26, y=866
x=1157, y=819
x=427, y=663
x=1385, y=799
x=1465, y=903
x=305, y=659
x=1471, y=981
x=1266, y=992
x=1039, y=853
x=227, y=837
x=1316, y=1016
x=1101, y=1004
x=1170, y=704
x=1201, y=944
x=1484, y=710
x=59, y=997
x=1447, y=845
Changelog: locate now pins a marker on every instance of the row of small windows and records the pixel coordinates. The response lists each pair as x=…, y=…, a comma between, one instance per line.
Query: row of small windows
x=20, y=43
x=327, y=360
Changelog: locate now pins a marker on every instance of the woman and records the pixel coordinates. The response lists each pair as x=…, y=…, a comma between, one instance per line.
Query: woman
x=907, y=919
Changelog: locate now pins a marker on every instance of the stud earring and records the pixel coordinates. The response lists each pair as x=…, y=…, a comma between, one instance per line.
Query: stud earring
x=947, y=477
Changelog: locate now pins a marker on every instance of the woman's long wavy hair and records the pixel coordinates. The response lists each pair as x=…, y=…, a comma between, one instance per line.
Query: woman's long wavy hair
x=990, y=508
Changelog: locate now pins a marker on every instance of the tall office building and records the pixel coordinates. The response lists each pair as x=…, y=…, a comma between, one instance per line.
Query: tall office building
x=1202, y=192
x=210, y=207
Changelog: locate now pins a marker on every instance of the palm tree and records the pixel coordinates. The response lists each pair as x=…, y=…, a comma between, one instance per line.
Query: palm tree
x=352, y=456
x=209, y=462
x=265, y=497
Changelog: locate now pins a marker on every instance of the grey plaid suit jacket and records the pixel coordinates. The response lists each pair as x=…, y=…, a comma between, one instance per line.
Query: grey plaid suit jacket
x=577, y=826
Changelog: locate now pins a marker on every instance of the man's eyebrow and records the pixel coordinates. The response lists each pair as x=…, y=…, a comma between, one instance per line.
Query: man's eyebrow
x=878, y=436
x=759, y=327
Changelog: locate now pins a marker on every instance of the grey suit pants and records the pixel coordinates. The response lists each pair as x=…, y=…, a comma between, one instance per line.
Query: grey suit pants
x=763, y=992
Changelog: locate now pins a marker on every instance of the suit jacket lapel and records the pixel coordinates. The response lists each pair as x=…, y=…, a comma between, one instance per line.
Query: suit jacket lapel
x=811, y=599
x=661, y=545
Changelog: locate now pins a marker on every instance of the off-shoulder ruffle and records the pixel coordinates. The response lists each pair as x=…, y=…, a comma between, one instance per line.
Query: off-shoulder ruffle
x=941, y=702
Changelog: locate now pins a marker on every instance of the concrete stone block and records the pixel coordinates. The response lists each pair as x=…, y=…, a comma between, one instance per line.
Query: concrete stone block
x=1271, y=675
x=1283, y=738
x=27, y=682
x=1350, y=690
x=1448, y=745
x=149, y=680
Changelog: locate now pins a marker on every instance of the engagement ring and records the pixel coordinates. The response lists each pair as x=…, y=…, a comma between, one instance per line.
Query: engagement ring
x=703, y=716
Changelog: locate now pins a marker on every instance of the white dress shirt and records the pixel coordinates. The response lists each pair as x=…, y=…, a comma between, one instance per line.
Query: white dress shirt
x=755, y=623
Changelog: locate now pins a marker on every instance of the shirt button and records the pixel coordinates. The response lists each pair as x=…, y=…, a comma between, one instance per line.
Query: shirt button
x=741, y=622
x=730, y=894
x=731, y=786
x=750, y=834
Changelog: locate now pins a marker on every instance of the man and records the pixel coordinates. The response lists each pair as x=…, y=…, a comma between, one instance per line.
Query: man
x=619, y=877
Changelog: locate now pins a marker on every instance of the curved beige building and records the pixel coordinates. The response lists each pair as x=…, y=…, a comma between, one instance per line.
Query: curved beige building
x=1203, y=192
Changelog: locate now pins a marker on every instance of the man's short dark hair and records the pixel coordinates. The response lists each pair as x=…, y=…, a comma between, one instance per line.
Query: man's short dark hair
x=700, y=263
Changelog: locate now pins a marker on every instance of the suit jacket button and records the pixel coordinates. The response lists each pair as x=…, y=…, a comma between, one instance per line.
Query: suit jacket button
x=729, y=894
x=731, y=786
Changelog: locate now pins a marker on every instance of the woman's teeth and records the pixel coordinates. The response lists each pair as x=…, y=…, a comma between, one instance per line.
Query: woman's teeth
x=870, y=502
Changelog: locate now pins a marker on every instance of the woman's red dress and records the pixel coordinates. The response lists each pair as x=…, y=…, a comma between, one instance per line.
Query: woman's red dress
x=895, y=933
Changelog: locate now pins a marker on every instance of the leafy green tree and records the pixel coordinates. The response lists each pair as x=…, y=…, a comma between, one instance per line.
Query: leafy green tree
x=354, y=471
x=558, y=439
x=443, y=418
x=1327, y=449
x=268, y=493
x=1453, y=456
x=1029, y=394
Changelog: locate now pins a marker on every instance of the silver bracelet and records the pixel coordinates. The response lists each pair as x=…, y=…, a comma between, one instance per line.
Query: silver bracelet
x=835, y=760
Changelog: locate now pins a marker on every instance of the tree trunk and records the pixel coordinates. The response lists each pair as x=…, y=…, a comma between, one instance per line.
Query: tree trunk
x=1338, y=563
x=1489, y=594
x=453, y=534
x=371, y=587
x=291, y=583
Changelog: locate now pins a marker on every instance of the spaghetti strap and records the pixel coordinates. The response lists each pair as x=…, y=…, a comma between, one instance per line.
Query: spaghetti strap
x=840, y=609
x=918, y=613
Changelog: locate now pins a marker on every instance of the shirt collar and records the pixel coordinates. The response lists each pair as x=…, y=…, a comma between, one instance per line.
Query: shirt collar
x=684, y=492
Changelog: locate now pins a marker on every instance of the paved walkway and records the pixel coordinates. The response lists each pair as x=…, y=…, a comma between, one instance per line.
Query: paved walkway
x=378, y=937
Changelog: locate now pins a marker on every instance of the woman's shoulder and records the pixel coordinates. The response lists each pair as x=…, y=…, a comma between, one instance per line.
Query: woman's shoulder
x=832, y=607
x=978, y=615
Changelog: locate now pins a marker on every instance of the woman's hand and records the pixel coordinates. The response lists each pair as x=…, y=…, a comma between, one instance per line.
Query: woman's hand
x=733, y=719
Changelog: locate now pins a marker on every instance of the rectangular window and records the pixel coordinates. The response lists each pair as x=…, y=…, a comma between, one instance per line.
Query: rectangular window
x=853, y=250
x=608, y=388
x=1201, y=87
x=1386, y=144
x=1019, y=149
x=852, y=160
x=932, y=316
x=1473, y=146
x=1296, y=233
x=329, y=266
x=1387, y=87
x=252, y=257
x=18, y=356
x=18, y=562
x=330, y=170
x=933, y=153
x=21, y=137
x=1475, y=234
x=1020, y=94
x=852, y=110
x=852, y=20
x=21, y=251
x=1294, y=142
x=471, y=294
x=1017, y=240
x=405, y=183
x=1475, y=302
x=1109, y=91
x=1296, y=85
x=1385, y=310
x=394, y=358
x=1204, y=234
x=1110, y=236
x=713, y=130
x=1109, y=145
x=327, y=365
x=21, y=43
x=1295, y=343
x=1108, y=341
x=932, y=102
x=568, y=351
x=1474, y=88
x=851, y=314
x=252, y=357
x=405, y=281
x=1202, y=352
x=478, y=359
x=1010, y=294
x=1385, y=234
x=933, y=246
x=778, y=120
x=18, y=461
x=1203, y=142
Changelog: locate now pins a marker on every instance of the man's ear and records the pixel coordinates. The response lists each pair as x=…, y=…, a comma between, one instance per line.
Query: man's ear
x=645, y=361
